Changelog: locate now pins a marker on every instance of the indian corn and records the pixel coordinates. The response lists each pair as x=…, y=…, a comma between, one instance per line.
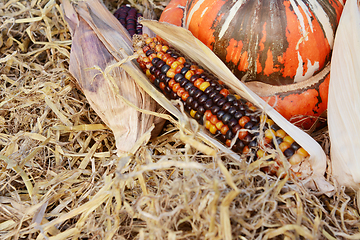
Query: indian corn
x=231, y=119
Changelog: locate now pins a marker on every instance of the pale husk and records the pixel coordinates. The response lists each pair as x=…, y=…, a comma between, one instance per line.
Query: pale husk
x=183, y=40
x=108, y=88
x=344, y=98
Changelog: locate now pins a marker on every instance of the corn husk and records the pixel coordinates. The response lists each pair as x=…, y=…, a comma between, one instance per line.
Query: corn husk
x=344, y=98
x=184, y=41
x=111, y=92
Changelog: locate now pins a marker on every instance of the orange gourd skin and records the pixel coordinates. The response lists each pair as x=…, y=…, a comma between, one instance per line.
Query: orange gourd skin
x=303, y=106
x=267, y=41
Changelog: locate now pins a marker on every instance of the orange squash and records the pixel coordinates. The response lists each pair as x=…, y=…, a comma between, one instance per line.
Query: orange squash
x=282, y=47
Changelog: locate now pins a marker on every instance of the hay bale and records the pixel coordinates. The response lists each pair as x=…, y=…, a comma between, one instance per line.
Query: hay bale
x=60, y=177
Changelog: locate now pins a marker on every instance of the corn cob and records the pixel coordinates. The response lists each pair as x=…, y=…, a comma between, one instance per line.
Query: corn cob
x=128, y=18
x=231, y=119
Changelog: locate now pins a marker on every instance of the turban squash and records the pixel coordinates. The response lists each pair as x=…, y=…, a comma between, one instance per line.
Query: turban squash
x=281, y=48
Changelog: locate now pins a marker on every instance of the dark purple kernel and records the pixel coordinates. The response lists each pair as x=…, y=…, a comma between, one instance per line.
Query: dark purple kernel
x=213, y=94
x=249, y=112
x=278, y=140
x=226, y=118
x=159, y=64
x=157, y=73
x=162, y=77
x=174, y=95
x=215, y=110
x=192, y=90
x=183, y=82
x=178, y=77
x=255, y=119
x=188, y=86
x=194, y=78
x=221, y=137
x=167, y=80
x=236, y=128
x=195, y=105
x=187, y=107
x=221, y=102
x=230, y=97
x=220, y=114
x=152, y=69
x=197, y=116
x=169, y=51
x=157, y=82
x=203, y=76
x=232, y=110
x=295, y=146
x=253, y=143
x=218, y=88
x=149, y=52
x=189, y=100
x=208, y=90
x=247, y=139
x=155, y=60
x=174, y=55
x=275, y=127
x=198, y=94
x=235, y=103
x=239, y=145
x=168, y=90
x=289, y=152
x=232, y=123
x=238, y=114
x=201, y=109
x=217, y=98
x=226, y=106
x=165, y=68
x=184, y=70
x=249, y=125
x=242, y=107
x=202, y=99
x=229, y=135
x=187, y=65
x=208, y=104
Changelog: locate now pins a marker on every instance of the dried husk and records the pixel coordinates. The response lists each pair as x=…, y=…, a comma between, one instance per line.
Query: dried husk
x=94, y=63
x=344, y=98
x=184, y=41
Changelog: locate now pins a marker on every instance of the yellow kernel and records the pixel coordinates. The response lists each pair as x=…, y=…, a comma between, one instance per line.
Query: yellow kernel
x=302, y=152
x=189, y=74
x=288, y=139
x=207, y=124
x=283, y=146
x=263, y=118
x=175, y=64
x=148, y=74
x=269, y=133
x=219, y=125
x=164, y=48
x=192, y=113
x=237, y=96
x=170, y=73
x=213, y=129
x=204, y=86
x=148, y=40
x=281, y=172
x=152, y=45
x=260, y=153
x=158, y=48
x=280, y=133
x=269, y=121
x=295, y=159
